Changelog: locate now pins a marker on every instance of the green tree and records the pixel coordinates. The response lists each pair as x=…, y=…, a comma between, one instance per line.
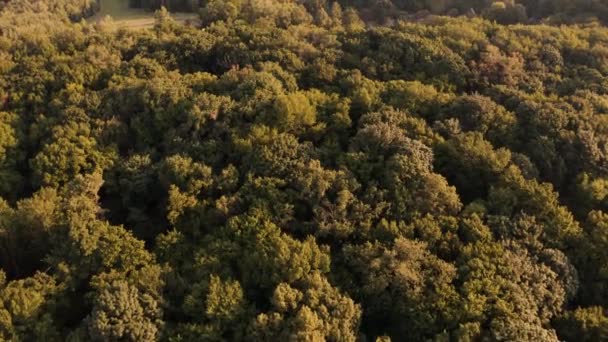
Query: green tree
x=405, y=290
x=311, y=309
x=121, y=312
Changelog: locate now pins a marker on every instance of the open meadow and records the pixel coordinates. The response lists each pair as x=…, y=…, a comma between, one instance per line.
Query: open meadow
x=135, y=18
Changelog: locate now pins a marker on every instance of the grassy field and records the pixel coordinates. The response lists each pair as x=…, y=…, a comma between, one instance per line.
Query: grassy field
x=135, y=18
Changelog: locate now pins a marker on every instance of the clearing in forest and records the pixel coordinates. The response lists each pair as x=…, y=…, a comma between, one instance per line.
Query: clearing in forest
x=135, y=18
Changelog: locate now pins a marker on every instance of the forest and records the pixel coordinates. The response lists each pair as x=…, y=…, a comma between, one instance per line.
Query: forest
x=429, y=170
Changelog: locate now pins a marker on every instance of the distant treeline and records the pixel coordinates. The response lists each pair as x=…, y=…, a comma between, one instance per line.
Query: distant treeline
x=72, y=9
x=502, y=11
x=78, y=9
x=377, y=11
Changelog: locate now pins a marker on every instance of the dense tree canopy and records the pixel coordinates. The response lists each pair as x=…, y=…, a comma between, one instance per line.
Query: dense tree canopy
x=307, y=171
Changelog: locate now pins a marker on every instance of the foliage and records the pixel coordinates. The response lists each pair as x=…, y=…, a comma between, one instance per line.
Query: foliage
x=307, y=170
